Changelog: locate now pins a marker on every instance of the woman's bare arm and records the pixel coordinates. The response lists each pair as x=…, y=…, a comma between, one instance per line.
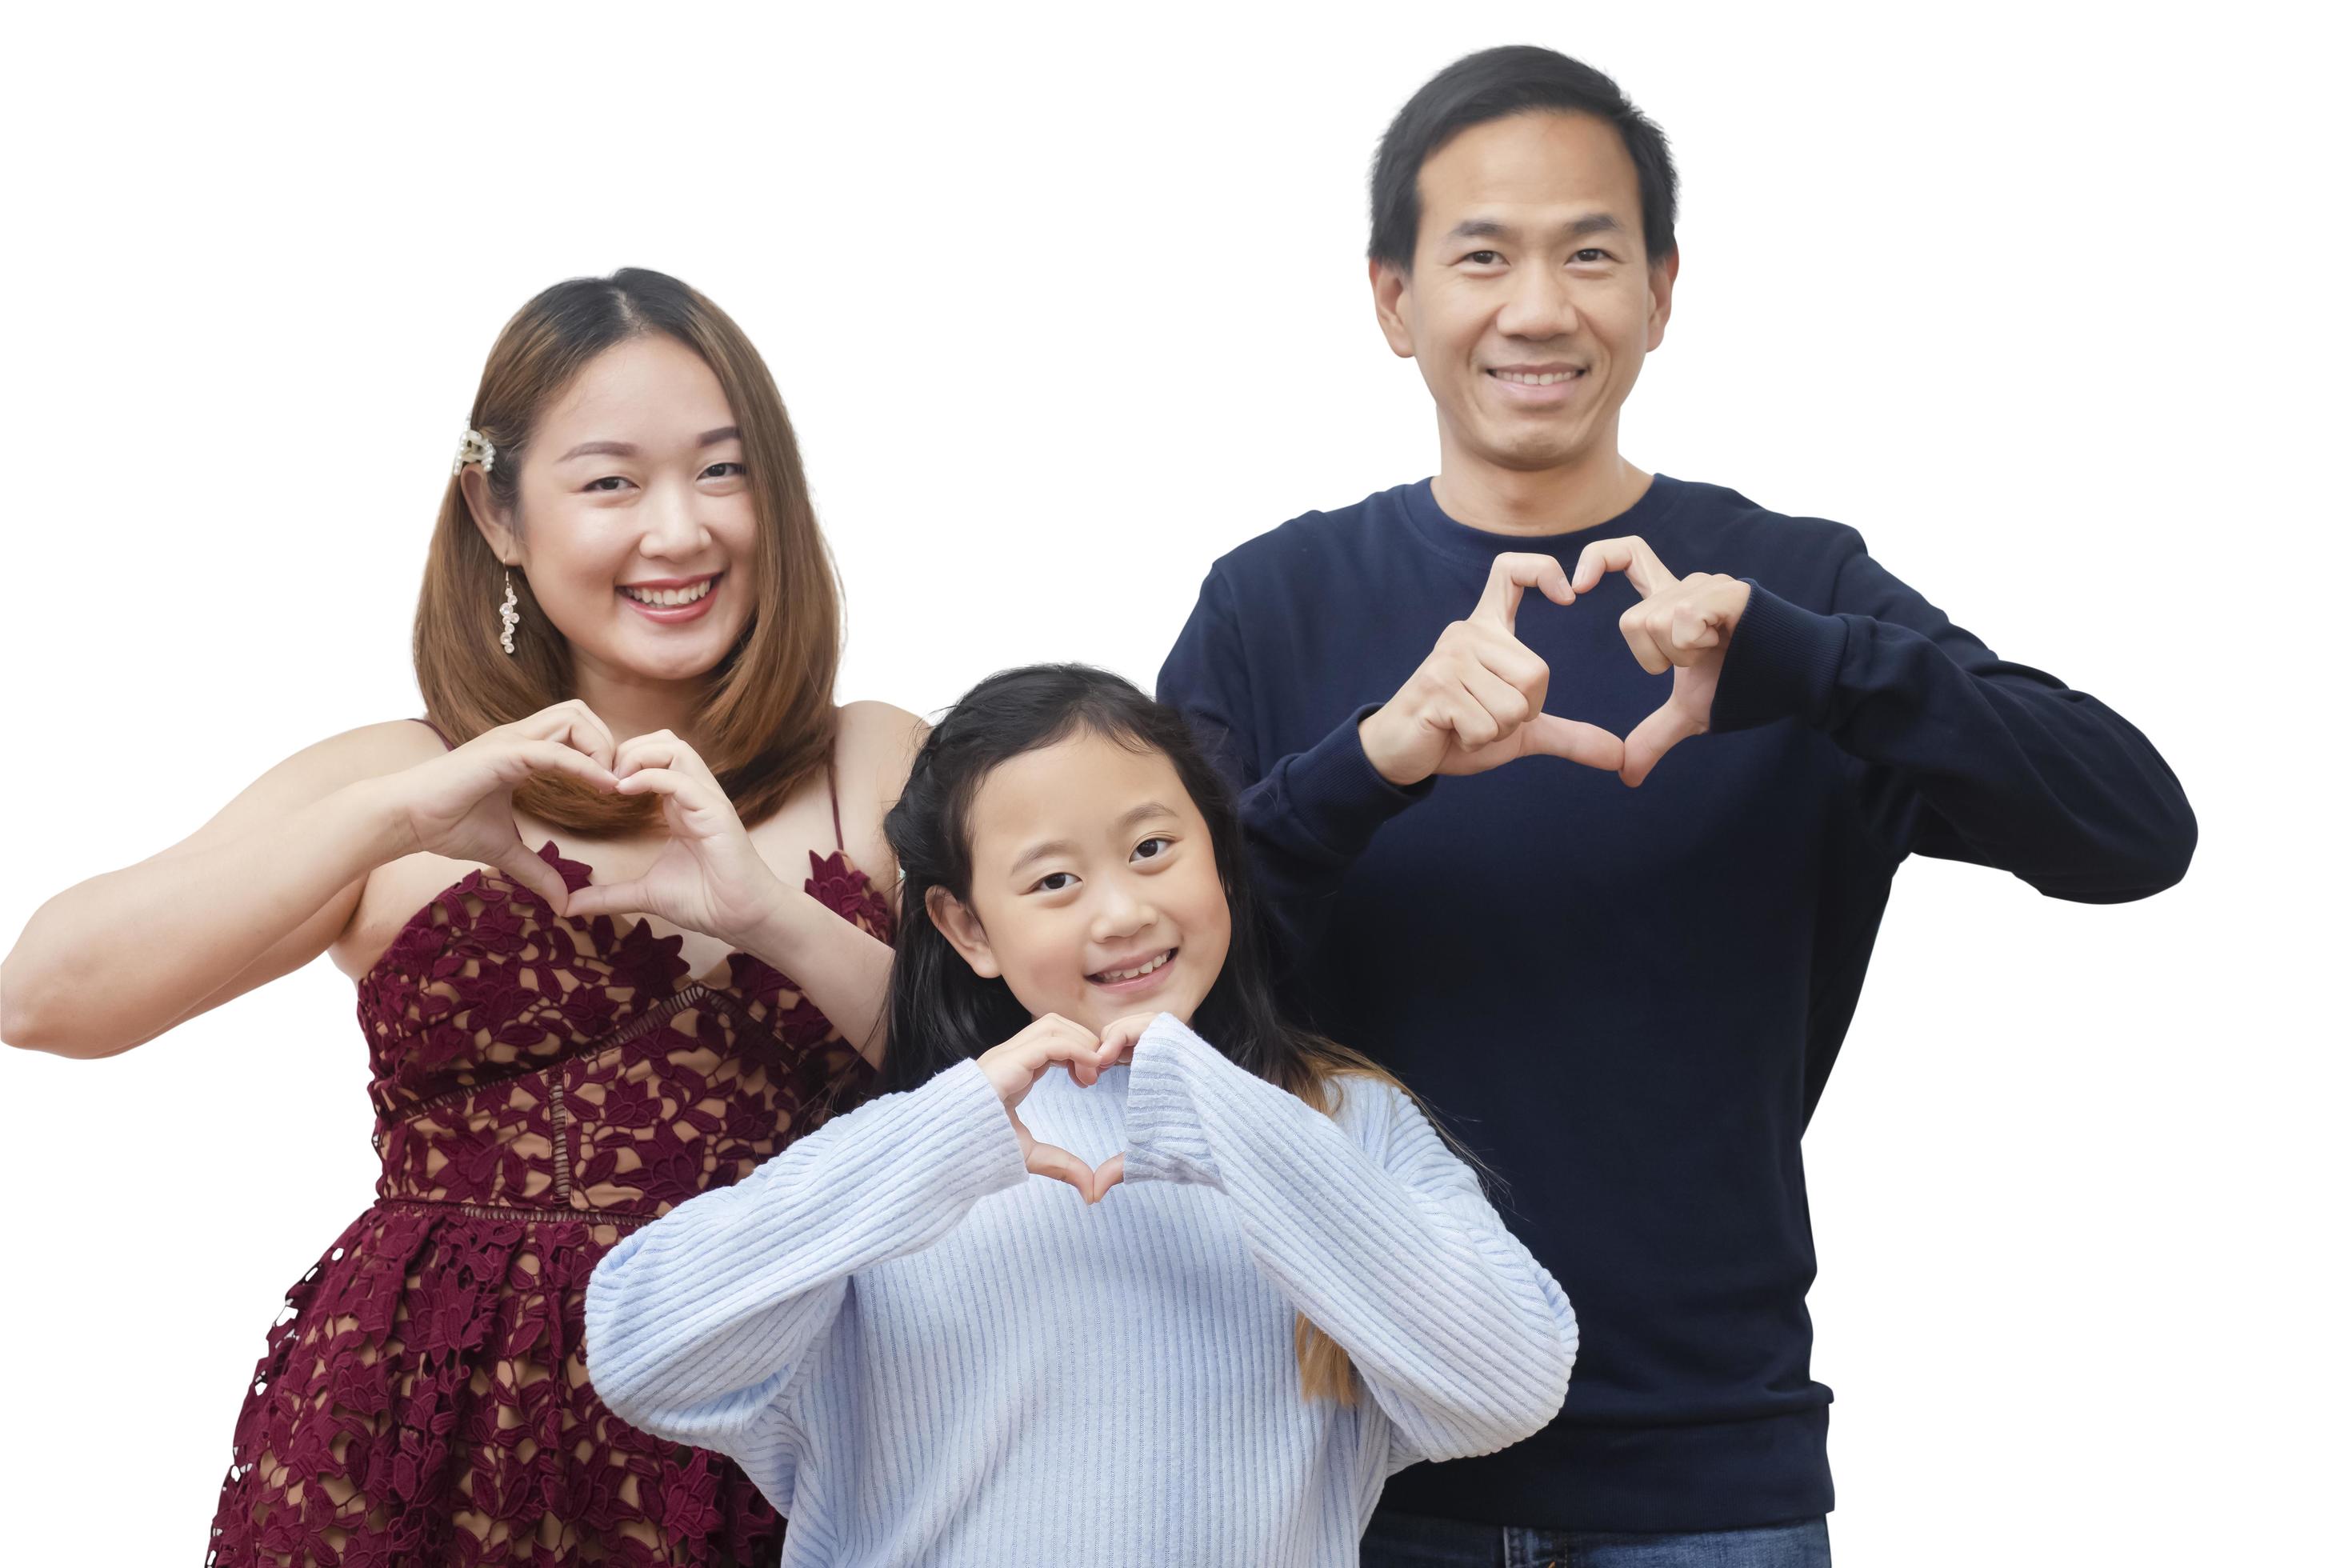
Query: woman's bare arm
x=271, y=882
x=256, y=892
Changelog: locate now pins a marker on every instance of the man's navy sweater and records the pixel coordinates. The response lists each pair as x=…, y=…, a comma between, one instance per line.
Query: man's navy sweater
x=1627, y=1001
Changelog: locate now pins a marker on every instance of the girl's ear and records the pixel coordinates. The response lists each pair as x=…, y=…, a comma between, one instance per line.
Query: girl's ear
x=963, y=929
x=495, y=525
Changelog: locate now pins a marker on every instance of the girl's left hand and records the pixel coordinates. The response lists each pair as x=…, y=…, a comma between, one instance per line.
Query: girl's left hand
x=1118, y=1040
x=708, y=878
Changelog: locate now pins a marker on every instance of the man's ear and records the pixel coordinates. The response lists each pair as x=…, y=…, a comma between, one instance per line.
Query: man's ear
x=493, y=523
x=1389, y=286
x=1663, y=273
x=963, y=929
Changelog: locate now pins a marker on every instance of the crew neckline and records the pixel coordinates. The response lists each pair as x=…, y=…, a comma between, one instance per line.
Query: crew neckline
x=1478, y=546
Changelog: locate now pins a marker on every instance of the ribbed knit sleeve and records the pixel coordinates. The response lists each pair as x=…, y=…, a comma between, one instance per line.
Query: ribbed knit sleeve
x=1375, y=1232
x=1307, y=815
x=704, y=1320
x=1978, y=758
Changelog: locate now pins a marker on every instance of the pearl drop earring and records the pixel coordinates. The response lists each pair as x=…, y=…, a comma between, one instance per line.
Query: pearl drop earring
x=507, y=619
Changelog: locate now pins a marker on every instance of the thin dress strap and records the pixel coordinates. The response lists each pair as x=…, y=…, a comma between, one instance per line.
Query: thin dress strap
x=839, y=845
x=446, y=745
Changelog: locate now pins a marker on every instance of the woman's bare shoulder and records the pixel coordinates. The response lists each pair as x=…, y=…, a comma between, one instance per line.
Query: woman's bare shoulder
x=875, y=730
x=873, y=746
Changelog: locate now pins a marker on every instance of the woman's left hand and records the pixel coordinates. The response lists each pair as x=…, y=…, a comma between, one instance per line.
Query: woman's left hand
x=708, y=878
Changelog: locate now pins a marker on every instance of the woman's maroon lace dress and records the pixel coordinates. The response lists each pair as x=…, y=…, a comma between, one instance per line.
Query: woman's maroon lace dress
x=542, y=1086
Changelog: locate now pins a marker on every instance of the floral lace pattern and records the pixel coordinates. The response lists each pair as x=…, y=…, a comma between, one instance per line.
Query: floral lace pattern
x=541, y=1085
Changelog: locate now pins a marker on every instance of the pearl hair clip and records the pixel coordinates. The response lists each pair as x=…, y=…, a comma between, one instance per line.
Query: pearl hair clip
x=474, y=447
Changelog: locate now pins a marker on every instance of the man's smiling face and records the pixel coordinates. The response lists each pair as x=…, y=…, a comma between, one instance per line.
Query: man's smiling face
x=1531, y=301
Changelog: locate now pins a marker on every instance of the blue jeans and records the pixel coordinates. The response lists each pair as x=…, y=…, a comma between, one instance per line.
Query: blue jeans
x=1408, y=1541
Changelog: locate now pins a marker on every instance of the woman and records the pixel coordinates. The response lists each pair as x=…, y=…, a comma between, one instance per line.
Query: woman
x=626, y=642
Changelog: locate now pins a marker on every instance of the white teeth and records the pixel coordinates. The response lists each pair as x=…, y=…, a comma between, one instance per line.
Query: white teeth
x=1114, y=975
x=1549, y=378
x=664, y=597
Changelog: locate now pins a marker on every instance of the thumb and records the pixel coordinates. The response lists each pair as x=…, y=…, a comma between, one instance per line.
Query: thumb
x=1652, y=739
x=528, y=869
x=1052, y=1160
x=608, y=898
x=1106, y=1175
x=1549, y=735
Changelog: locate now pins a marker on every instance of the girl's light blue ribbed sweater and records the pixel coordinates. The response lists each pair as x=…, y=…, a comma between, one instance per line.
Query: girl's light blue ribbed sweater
x=924, y=1354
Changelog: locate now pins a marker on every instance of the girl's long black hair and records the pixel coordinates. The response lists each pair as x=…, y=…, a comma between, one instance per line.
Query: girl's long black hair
x=941, y=1012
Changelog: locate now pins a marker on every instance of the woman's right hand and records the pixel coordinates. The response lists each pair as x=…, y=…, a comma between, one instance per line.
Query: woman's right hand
x=461, y=803
x=1014, y=1068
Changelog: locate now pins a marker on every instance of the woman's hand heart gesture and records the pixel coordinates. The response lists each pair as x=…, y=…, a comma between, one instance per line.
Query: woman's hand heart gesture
x=1014, y=1068
x=709, y=876
x=461, y=803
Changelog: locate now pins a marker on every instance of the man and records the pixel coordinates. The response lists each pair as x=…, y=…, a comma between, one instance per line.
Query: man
x=1626, y=1000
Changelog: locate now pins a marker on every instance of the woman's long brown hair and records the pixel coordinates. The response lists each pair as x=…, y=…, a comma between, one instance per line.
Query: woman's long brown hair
x=765, y=720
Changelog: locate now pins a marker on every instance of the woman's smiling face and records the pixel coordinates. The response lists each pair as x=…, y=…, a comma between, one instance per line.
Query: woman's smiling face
x=635, y=521
x=1095, y=892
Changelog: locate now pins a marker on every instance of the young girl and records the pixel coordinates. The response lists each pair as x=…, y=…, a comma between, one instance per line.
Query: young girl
x=1274, y=1286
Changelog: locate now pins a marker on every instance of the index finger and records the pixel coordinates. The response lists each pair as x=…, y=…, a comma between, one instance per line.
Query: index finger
x=1513, y=574
x=1631, y=555
x=553, y=756
x=1061, y=1040
x=573, y=723
x=663, y=749
x=1119, y=1037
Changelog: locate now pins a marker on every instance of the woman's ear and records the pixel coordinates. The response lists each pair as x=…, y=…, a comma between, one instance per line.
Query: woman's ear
x=963, y=929
x=494, y=523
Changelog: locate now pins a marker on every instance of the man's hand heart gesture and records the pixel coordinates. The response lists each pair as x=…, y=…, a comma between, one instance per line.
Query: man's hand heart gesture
x=1476, y=701
x=1014, y=1068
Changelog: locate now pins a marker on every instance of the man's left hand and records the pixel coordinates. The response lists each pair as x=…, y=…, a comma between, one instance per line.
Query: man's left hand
x=1682, y=624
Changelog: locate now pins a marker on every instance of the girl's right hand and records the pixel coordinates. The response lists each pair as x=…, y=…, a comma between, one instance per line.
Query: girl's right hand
x=460, y=804
x=1014, y=1068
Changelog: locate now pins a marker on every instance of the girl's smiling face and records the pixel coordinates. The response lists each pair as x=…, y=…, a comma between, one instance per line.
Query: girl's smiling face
x=1095, y=892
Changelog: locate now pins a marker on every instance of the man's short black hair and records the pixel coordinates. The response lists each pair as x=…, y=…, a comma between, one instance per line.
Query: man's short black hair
x=1494, y=84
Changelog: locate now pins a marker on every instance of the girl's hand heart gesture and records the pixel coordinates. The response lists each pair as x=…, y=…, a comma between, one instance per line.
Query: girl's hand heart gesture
x=709, y=878
x=1014, y=1068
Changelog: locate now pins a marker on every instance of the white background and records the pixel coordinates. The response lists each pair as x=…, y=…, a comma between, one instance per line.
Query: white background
x=1064, y=306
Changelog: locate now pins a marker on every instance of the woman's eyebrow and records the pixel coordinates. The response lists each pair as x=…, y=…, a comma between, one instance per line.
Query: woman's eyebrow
x=627, y=450
x=595, y=448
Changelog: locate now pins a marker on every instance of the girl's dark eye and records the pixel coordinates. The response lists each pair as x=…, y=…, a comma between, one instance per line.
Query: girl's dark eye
x=1144, y=852
x=1054, y=882
x=724, y=471
x=609, y=485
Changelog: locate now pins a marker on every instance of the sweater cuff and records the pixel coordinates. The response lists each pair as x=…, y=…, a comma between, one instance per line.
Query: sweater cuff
x=1782, y=663
x=1164, y=1140
x=1338, y=797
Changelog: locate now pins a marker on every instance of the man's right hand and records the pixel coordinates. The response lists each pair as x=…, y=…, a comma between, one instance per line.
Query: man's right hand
x=1476, y=701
